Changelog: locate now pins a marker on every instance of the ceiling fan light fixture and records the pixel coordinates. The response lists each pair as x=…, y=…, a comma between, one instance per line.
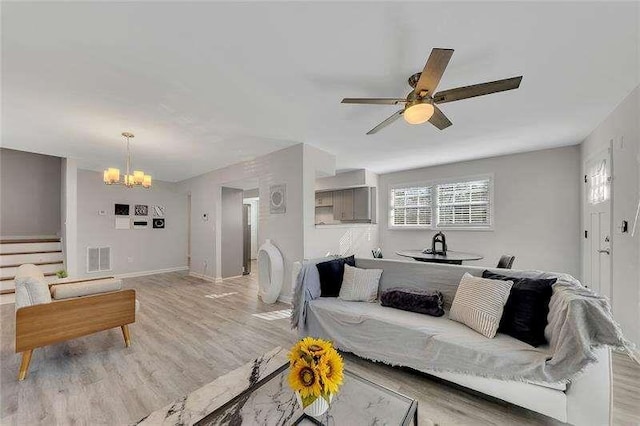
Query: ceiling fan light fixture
x=418, y=113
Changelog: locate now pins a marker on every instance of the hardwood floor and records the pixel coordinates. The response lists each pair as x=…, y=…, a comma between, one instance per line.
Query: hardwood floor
x=183, y=340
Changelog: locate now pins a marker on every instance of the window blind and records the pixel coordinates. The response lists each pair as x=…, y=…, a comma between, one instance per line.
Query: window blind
x=464, y=203
x=411, y=206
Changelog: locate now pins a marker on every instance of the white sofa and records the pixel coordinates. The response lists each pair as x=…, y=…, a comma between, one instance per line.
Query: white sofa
x=584, y=401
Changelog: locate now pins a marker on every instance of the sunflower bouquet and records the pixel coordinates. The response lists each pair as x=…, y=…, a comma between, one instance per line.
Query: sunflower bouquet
x=315, y=370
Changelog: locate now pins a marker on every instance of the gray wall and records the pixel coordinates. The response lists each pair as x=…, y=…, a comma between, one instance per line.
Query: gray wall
x=284, y=230
x=231, y=232
x=537, y=210
x=133, y=251
x=623, y=128
x=29, y=193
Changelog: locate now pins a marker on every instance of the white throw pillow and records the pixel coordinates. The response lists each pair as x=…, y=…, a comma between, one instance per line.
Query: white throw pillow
x=479, y=303
x=360, y=285
x=31, y=291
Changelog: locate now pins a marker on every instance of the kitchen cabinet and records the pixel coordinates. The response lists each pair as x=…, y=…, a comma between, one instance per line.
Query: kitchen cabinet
x=350, y=205
x=324, y=199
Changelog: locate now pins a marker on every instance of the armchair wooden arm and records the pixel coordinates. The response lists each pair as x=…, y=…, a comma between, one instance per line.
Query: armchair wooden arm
x=49, y=323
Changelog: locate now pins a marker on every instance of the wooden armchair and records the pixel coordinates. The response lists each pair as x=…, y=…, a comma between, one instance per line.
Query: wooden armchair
x=75, y=310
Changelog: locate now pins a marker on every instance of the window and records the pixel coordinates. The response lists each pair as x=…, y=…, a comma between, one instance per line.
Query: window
x=598, y=181
x=454, y=204
x=464, y=204
x=411, y=206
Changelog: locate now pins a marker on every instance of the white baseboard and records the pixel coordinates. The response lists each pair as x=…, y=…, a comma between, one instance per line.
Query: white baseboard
x=153, y=272
x=205, y=277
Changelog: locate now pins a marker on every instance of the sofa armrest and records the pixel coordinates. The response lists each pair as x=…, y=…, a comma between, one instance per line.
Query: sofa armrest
x=84, y=288
x=589, y=396
x=49, y=323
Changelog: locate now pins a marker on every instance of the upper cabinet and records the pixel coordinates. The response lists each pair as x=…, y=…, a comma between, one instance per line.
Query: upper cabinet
x=353, y=205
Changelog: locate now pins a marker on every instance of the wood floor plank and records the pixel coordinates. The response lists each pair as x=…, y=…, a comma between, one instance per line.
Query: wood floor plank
x=182, y=340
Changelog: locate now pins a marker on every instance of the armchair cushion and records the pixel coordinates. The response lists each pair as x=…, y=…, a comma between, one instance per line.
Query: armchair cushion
x=31, y=287
x=85, y=288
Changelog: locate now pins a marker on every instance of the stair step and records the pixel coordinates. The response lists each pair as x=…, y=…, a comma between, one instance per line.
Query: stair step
x=9, y=286
x=46, y=274
x=45, y=267
x=29, y=240
x=29, y=247
x=55, y=262
x=31, y=257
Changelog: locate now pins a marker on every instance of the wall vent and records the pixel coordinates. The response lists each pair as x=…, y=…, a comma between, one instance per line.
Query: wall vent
x=98, y=259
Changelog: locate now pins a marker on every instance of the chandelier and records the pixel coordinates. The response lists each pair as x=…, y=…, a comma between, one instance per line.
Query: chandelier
x=138, y=178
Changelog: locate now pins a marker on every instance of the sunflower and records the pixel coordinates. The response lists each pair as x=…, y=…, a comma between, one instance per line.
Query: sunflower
x=308, y=348
x=305, y=378
x=330, y=367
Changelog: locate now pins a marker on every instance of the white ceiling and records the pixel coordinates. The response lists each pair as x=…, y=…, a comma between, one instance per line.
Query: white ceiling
x=204, y=85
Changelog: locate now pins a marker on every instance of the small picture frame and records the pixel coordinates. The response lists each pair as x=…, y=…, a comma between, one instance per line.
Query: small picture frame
x=140, y=224
x=141, y=210
x=158, y=211
x=278, y=199
x=121, y=210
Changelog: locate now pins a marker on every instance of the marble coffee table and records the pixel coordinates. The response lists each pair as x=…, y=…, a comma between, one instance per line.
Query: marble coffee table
x=258, y=394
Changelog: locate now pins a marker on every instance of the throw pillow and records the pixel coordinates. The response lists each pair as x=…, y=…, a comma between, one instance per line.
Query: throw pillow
x=479, y=303
x=525, y=314
x=360, y=285
x=414, y=300
x=331, y=273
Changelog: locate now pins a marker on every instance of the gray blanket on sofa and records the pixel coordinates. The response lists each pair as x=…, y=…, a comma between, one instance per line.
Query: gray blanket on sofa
x=579, y=322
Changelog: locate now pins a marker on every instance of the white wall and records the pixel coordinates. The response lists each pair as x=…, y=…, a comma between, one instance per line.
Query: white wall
x=231, y=232
x=133, y=251
x=69, y=215
x=284, y=230
x=622, y=127
x=537, y=210
x=29, y=193
x=253, y=202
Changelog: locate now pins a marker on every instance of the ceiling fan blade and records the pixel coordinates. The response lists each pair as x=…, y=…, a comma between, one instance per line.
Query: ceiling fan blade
x=439, y=120
x=386, y=122
x=373, y=101
x=477, y=90
x=433, y=70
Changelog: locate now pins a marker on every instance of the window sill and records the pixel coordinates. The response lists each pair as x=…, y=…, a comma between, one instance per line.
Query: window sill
x=428, y=228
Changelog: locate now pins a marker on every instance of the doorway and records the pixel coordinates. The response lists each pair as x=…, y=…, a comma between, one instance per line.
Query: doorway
x=597, y=223
x=251, y=204
x=239, y=227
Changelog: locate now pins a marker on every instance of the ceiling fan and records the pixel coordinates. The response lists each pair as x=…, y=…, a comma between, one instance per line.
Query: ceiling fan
x=420, y=105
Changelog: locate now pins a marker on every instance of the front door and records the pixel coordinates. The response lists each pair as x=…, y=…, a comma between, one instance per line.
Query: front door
x=597, y=256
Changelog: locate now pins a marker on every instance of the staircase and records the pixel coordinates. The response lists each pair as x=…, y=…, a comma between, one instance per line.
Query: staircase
x=46, y=252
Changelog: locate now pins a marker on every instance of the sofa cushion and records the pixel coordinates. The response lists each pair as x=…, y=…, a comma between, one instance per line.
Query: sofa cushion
x=31, y=287
x=85, y=288
x=331, y=274
x=479, y=303
x=360, y=285
x=526, y=310
x=414, y=300
x=397, y=337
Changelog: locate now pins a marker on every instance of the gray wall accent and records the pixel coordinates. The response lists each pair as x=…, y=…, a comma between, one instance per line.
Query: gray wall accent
x=251, y=193
x=623, y=127
x=537, y=210
x=231, y=232
x=284, y=230
x=134, y=250
x=29, y=193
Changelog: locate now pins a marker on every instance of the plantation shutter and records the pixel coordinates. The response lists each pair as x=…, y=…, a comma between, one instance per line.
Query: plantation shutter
x=464, y=204
x=411, y=206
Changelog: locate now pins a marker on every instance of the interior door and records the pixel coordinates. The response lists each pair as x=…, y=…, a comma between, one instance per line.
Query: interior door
x=598, y=253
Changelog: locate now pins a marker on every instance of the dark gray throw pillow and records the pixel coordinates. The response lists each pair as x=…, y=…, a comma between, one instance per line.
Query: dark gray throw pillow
x=525, y=314
x=414, y=300
x=331, y=273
